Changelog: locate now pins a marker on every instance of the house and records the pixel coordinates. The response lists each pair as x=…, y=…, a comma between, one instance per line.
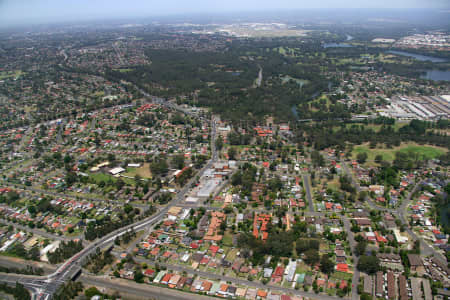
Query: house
x=342, y=267
x=402, y=285
x=363, y=222
x=149, y=273
x=368, y=284
x=174, y=281
x=261, y=294
x=379, y=289
x=416, y=264
x=290, y=270
x=268, y=272
x=391, y=285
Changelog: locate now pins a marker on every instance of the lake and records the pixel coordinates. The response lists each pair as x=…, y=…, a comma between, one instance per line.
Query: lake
x=418, y=56
x=436, y=75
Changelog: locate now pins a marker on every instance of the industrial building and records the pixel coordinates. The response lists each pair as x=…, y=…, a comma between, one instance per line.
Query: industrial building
x=429, y=108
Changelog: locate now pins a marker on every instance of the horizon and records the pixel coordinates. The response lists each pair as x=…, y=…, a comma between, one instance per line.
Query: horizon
x=15, y=13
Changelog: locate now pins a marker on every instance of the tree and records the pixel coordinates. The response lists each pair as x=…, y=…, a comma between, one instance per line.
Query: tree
x=312, y=257
x=91, y=292
x=128, y=208
x=378, y=158
x=326, y=265
x=361, y=157
x=178, y=161
x=368, y=264
x=159, y=166
x=232, y=153
x=219, y=143
x=360, y=248
x=71, y=178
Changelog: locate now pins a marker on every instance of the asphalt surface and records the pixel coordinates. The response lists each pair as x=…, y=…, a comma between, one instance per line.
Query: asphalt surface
x=143, y=291
x=307, y=186
x=352, y=242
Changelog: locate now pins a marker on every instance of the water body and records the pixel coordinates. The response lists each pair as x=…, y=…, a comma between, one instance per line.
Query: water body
x=436, y=75
x=300, y=82
x=418, y=56
x=294, y=111
x=339, y=45
x=336, y=45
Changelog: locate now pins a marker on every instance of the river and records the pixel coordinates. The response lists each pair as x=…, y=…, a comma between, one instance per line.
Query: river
x=339, y=45
x=436, y=75
x=419, y=57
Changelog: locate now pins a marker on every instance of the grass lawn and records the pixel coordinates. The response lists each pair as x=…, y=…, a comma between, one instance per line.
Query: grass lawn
x=102, y=177
x=302, y=268
x=124, y=70
x=342, y=275
x=143, y=171
x=231, y=256
x=227, y=239
x=374, y=127
x=425, y=151
x=333, y=184
x=10, y=74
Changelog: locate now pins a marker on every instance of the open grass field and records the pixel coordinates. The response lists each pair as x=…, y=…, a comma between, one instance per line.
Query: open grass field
x=10, y=74
x=424, y=151
x=374, y=127
x=143, y=171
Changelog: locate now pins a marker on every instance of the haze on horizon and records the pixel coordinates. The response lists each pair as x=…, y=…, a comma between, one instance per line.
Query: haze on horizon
x=26, y=12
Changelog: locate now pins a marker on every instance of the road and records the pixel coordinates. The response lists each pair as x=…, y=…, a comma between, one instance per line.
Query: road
x=307, y=185
x=260, y=77
x=352, y=242
x=143, y=291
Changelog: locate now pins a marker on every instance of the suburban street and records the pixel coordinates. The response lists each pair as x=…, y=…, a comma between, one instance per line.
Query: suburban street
x=307, y=185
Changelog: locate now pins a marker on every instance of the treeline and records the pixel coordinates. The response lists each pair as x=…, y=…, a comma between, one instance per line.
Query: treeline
x=279, y=243
x=101, y=228
x=29, y=270
x=19, y=291
x=68, y=291
x=19, y=250
x=324, y=134
x=98, y=260
x=64, y=251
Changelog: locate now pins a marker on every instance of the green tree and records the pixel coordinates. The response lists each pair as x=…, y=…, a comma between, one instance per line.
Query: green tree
x=361, y=157
x=368, y=264
x=326, y=265
x=312, y=257
x=219, y=143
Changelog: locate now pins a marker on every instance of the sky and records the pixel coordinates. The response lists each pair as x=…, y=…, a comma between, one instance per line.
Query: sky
x=18, y=12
